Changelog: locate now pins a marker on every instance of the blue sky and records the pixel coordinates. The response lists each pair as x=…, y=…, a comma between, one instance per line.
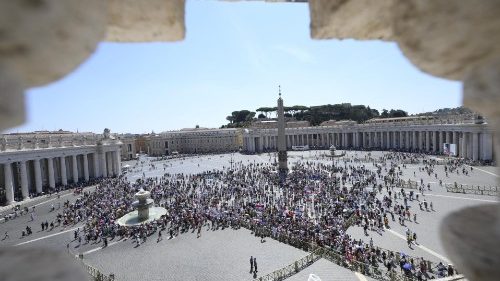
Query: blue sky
x=234, y=57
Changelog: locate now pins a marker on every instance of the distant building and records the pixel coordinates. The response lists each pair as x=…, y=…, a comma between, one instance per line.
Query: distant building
x=340, y=122
x=141, y=143
x=197, y=140
x=128, y=151
x=38, y=162
x=273, y=123
x=469, y=133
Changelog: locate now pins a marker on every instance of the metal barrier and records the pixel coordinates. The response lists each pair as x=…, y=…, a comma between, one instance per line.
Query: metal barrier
x=292, y=268
x=93, y=272
x=366, y=269
x=471, y=189
x=374, y=271
x=96, y=274
x=409, y=184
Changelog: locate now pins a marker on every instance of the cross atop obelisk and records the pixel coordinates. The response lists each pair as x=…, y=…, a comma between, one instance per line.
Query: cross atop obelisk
x=282, y=156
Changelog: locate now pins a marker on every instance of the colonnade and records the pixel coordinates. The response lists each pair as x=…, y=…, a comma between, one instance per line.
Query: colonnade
x=24, y=177
x=472, y=144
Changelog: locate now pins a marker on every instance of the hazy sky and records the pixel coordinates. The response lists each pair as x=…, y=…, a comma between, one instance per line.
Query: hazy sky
x=234, y=57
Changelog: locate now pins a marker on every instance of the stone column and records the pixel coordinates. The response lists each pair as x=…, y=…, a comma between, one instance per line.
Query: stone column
x=383, y=139
x=392, y=142
x=64, y=176
x=104, y=167
x=38, y=176
x=401, y=140
x=427, y=141
x=475, y=146
x=421, y=140
x=50, y=165
x=24, y=180
x=394, y=139
x=85, y=167
x=118, y=163
x=96, y=166
x=464, y=145
x=440, y=142
x=414, y=140
x=9, y=185
x=75, y=168
x=486, y=147
x=434, y=141
x=407, y=139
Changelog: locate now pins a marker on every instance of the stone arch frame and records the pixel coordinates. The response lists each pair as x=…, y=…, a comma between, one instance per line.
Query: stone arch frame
x=45, y=40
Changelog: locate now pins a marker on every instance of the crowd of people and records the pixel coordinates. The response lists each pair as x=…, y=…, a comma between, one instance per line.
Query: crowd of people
x=316, y=205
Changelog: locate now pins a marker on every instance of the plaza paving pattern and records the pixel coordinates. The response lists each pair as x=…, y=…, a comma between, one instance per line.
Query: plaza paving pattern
x=223, y=255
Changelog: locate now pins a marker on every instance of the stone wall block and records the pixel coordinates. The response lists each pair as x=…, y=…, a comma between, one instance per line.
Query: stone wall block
x=44, y=40
x=356, y=19
x=146, y=20
x=447, y=38
x=12, y=111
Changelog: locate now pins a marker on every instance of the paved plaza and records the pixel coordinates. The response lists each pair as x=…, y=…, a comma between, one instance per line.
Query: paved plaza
x=224, y=254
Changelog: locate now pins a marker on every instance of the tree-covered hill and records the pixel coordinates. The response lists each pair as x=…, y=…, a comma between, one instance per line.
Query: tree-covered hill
x=314, y=114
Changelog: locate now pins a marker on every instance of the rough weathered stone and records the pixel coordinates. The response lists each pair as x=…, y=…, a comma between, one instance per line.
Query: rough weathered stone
x=44, y=40
x=447, y=38
x=482, y=89
x=469, y=237
x=36, y=264
x=357, y=19
x=11, y=98
x=146, y=21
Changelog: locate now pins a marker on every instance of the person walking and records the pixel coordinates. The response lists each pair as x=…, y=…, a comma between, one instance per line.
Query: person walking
x=251, y=264
x=159, y=237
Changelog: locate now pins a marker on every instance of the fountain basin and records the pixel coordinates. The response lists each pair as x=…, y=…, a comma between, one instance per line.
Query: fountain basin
x=132, y=218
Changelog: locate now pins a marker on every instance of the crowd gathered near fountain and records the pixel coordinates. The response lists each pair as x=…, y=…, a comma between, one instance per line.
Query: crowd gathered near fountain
x=314, y=207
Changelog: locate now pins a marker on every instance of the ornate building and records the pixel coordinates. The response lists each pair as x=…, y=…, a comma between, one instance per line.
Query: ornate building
x=198, y=140
x=34, y=163
x=472, y=137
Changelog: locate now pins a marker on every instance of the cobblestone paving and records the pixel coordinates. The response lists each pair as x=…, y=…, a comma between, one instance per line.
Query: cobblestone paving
x=42, y=214
x=223, y=255
x=217, y=255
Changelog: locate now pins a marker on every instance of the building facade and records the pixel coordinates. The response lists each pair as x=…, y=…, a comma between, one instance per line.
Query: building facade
x=472, y=137
x=128, y=150
x=35, y=163
x=192, y=141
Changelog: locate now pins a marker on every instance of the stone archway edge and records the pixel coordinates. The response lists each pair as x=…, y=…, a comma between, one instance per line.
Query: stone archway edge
x=42, y=41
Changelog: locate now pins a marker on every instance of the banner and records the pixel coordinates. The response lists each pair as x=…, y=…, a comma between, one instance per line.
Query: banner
x=450, y=149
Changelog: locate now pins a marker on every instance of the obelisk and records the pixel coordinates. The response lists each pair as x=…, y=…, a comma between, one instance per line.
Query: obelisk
x=282, y=157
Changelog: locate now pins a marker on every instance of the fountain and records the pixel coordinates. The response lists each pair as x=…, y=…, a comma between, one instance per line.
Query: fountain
x=333, y=154
x=145, y=212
